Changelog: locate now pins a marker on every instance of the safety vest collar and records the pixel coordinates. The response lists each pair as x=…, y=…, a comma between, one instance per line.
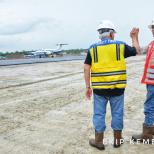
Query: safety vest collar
x=107, y=41
x=103, y=39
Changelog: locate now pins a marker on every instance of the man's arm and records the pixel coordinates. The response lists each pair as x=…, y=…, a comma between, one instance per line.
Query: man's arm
x=87, y=80
x=135, y=41
x=87, y=75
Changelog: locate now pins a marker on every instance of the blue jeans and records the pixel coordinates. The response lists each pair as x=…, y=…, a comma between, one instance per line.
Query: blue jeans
x=149, y=106
x=99, y=113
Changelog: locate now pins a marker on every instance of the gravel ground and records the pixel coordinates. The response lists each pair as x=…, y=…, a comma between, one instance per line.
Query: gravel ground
x=43, y=110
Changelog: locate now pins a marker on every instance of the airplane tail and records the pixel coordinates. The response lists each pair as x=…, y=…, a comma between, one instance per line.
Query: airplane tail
x=57, y=50
x=60, y=45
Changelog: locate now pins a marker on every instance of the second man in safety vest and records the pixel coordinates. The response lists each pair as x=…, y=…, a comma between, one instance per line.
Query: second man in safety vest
x=106, y=68
x=147, y=134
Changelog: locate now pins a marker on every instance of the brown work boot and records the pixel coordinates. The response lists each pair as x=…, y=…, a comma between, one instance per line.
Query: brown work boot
x=98, y=141
x=147, y=134
x=117, y=138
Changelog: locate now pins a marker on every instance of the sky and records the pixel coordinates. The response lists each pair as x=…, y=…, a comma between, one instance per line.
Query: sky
x=37, y=24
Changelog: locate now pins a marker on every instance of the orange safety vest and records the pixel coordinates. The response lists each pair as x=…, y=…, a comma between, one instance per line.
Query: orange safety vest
x=148, y=76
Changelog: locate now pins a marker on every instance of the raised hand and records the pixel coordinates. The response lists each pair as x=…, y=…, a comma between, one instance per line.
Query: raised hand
x=134, y=33
x=135, y=42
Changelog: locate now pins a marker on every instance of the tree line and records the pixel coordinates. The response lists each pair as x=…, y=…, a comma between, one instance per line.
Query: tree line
x=24, y=52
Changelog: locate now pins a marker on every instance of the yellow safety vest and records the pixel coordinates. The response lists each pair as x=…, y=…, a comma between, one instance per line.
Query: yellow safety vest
x=108, y=69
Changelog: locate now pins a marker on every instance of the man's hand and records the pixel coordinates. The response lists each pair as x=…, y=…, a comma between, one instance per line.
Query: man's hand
x=135, y=42
x=134, y=33
x=87, y=80
x=88, y=93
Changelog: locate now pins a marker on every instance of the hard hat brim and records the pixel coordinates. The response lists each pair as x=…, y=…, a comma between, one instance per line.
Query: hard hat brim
x=150, y=26
x=106, y=28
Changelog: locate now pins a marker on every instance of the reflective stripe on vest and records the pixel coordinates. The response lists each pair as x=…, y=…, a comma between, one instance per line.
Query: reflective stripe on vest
x=150, y=70
x=108, y=73
x=109, y=83
x=108, y=69
x=148, y=76
x=95, y=54
x=150, y=73
x=118, y=51
x=151, y=76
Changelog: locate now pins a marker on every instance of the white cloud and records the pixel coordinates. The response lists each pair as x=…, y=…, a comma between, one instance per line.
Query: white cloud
x=37, y=24
x=21, y=26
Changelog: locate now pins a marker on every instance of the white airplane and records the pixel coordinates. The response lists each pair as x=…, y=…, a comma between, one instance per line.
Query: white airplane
x=42, y=53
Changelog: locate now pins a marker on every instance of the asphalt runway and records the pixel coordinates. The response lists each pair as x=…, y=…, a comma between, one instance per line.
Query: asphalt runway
x=39, y=60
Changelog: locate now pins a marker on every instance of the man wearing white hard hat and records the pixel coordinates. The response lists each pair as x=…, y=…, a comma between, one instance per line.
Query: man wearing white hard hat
x=148, y=79
x=106, y=68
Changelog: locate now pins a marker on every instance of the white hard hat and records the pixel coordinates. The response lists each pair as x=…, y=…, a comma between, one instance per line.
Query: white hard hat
x=152, y=24
x=106, y=24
